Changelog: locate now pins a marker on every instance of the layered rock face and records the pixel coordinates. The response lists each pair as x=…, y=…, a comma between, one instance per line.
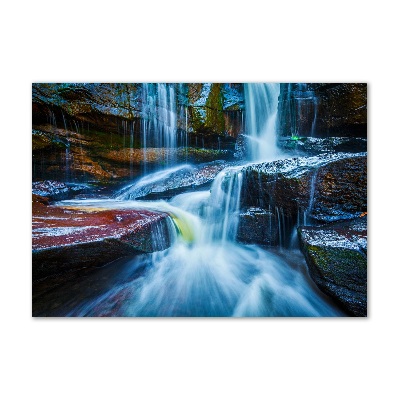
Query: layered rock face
x=106, y=106
x=98, y=131
x=108, y=131
x=323, y=110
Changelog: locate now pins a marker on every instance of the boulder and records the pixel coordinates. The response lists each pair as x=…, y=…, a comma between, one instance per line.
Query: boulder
x=328, y=187
x=66, y=239
x=340, y=190
x=165, y=184
x=336, y=256
x=259, y=226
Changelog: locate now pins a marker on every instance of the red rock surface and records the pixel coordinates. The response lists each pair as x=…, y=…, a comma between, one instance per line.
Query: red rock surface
x=69, y=242
x=56, y=226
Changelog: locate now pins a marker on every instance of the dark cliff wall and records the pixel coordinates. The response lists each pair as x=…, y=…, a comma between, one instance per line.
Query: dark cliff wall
x=323, y=109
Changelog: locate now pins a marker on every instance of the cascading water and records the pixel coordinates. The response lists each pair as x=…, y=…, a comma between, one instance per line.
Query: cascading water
x=315, y=111
x=205, y=272
x=150, y=182
x=312, y=195
x=159, y=126
x=224, y=205
x=261, y=101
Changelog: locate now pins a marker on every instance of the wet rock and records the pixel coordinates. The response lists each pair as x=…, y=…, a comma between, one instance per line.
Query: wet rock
x=201, y=107
x=97, y=103
x=40, y=140
x=161, y=155
x=216, y=107
x=323, y=109
x=326, y=187
x=53, y=190
x=66, y=155
x=259, y=226
x=315, y=146
x=340, y=190
x=164, y=184
x=336, y=255
x=241, y=147
x=40, y=200
x=66, y=239
x=84, y=132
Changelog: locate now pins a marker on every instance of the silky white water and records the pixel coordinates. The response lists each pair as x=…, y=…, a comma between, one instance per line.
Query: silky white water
x=261, y=101
x=150, y=182
x=205, y=272
x=159, y=119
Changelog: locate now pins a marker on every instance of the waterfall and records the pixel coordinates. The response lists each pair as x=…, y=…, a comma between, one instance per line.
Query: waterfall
x=224, y=205
x=299, y=110
x=131, y=143
x=308, y=212
x=159, y=126
x=315, y=111
x=205, y=271
x=261, y=101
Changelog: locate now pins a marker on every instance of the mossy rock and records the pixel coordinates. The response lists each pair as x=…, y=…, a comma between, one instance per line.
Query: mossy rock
x=337, y=262
x=215, y=120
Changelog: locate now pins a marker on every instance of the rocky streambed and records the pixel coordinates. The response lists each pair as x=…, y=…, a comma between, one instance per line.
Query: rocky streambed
x=317, y=203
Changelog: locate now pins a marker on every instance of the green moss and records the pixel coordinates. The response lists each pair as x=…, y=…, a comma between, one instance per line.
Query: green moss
x=103, y=141
x=196, y=119
x=339, y=265
x=215, y=120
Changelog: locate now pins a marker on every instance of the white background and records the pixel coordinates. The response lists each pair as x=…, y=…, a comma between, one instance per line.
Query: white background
x=231, y=41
